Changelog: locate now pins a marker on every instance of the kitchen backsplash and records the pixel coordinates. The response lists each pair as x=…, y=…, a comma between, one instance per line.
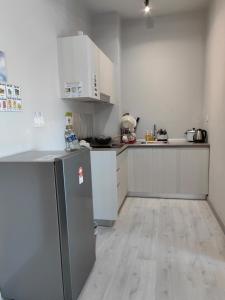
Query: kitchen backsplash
x=83, y=124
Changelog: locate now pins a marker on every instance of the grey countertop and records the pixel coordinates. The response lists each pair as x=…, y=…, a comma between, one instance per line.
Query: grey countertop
x=155, y=145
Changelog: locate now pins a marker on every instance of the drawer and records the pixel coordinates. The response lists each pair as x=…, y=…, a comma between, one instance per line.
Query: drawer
x=121, y=177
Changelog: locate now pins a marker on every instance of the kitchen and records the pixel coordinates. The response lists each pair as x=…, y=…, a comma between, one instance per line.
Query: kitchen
x=168, y=71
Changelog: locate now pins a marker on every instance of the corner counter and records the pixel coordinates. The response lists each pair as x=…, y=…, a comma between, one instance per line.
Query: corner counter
x=161, y=146
x=173, y=170
x=176, y=170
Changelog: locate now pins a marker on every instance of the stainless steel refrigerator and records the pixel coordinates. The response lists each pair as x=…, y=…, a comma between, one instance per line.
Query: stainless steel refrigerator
x=47, y=245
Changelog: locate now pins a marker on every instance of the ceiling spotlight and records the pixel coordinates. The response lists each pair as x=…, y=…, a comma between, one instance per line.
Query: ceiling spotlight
x=147, y=7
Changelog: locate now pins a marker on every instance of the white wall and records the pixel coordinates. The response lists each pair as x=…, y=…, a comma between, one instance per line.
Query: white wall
x=106, y=33
x=163, y=72
x=28, y=35
x=215, y=104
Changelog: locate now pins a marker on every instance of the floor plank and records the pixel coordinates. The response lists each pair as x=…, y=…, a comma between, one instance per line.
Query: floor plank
x=159, y=250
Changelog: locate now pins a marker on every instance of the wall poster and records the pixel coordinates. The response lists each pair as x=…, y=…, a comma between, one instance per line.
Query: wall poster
x=10, y=98
x=10, y=95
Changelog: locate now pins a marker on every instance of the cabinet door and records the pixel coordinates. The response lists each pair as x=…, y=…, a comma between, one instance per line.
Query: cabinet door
x=104, y=185
x=152, y=171
x=73, y=66
x=193, y=171
x=106, y=78
x=124, y=174
x=140, y=170
x=94, y=71
x=122, y=181
x=164, y=171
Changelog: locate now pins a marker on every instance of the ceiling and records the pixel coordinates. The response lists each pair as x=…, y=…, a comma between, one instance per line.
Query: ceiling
x=134, y=8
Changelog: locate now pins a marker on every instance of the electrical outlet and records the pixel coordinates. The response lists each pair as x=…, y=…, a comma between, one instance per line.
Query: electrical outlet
x=39, y=120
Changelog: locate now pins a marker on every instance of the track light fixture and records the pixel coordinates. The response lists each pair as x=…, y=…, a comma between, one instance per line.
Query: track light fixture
x=147, y=7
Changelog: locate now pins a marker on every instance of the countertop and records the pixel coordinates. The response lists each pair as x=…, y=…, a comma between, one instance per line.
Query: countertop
x=154, y=145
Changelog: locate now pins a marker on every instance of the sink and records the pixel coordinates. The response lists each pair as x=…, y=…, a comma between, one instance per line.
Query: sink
x=155, y=143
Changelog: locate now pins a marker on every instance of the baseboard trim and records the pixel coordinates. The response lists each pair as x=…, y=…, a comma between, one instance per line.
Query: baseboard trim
x=217, y=216
x=168, y=196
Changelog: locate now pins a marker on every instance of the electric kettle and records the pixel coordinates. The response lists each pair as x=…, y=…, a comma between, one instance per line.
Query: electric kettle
x=200, y=136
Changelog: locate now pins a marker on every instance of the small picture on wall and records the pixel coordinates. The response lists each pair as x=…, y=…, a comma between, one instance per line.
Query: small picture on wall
x=17, y=92
x=10, y=95
x=2, y=91
x=10, y=98
x=3, y=74
x=10, y=91
x=19, y=105
x=3, y=105
x=9, y=105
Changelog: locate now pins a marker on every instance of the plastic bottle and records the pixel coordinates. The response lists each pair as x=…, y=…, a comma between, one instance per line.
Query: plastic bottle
x=71, y=139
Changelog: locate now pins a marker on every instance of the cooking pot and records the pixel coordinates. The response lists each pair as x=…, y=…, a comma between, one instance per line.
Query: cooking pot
x=190, y=135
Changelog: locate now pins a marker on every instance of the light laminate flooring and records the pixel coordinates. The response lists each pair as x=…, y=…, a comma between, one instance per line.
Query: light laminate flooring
x=159, y=250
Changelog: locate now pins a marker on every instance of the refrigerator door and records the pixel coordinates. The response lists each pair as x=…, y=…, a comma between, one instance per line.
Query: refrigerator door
x=30, y=258
x=75, y=220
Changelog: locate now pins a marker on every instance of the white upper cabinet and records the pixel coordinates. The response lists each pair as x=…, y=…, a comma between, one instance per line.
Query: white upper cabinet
x=78, y=68
x=106, y=78
x=81, y=70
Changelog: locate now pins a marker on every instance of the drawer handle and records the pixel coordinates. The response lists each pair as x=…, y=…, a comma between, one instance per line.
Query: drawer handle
x=117, y=170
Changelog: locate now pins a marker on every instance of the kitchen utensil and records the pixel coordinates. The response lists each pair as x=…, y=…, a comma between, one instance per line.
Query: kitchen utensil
x=200, y=136
x=103, y=140
x=190, y=135
x=162, y=135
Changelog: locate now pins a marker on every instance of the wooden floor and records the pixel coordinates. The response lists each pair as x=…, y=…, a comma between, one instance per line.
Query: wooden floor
x=158, y=250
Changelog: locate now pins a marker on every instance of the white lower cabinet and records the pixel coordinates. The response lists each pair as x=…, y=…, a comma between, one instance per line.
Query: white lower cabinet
x=168, y=172
x=109, y=184
x=122, y=178
x=163, y=171
x=104, y=186
x=139, y=170
x=152, y=171
x=193, y=176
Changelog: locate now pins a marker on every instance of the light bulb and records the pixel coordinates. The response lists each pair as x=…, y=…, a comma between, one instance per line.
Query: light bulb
x=147, y=9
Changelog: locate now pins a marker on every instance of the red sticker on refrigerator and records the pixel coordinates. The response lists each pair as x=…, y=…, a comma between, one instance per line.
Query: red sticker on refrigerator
x=81, y=175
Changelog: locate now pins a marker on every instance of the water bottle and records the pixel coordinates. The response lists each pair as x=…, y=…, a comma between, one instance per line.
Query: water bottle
x=71, y=139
